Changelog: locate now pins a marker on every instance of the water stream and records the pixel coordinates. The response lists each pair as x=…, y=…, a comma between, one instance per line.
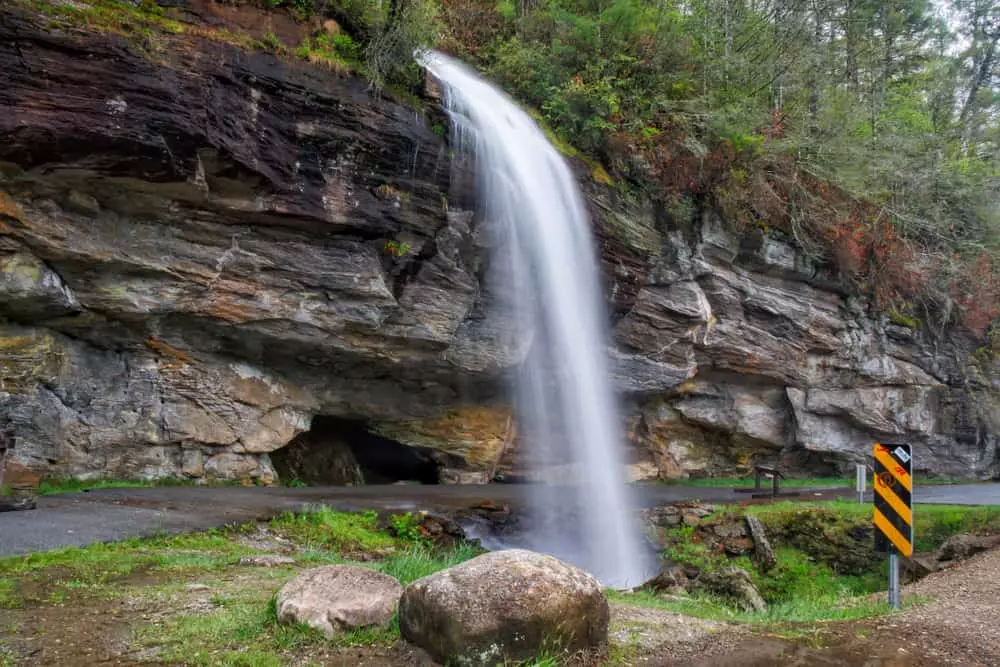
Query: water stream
x=567, y=410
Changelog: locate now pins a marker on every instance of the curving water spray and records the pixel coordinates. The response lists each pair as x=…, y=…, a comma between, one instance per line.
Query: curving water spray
x=566, y=406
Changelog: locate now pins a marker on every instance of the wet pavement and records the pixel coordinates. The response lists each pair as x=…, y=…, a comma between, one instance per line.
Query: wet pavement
x=105, y=515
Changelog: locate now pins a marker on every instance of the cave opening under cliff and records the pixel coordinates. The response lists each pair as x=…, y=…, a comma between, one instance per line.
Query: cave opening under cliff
x=338, y=452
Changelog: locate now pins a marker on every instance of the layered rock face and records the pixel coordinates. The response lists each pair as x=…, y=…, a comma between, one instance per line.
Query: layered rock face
x=784, y=364
x=202, y=249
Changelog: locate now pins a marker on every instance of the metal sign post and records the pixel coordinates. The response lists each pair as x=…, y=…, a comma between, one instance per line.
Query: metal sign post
x=893, y=512
x=894, y=593
x=861, y=480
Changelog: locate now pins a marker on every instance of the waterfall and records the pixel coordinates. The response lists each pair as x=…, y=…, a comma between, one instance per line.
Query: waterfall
x=566, y=406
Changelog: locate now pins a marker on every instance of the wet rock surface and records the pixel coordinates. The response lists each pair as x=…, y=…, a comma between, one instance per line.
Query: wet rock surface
x=194, y=266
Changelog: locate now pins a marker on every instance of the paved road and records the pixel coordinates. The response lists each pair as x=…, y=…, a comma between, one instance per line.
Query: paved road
x=958, y=494
x=105, y=515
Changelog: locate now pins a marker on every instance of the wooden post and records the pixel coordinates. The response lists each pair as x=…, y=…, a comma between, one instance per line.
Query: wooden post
x=508, y=437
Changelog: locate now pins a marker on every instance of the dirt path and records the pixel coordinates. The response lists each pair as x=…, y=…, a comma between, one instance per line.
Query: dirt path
x=961, y=626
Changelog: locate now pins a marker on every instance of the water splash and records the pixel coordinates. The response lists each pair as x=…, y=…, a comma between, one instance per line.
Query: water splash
x=567, y=411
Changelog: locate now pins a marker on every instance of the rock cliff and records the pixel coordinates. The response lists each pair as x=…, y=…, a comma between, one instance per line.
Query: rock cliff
x=204, y=248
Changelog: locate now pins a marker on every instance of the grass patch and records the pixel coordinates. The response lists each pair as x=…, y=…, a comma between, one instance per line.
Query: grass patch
x=100, y=564
x=794, y=482
x=933, y=524
x=147, y=24
x=326, y=529
x=826, y=567
x=244, y=630
x=816, y=609
x=9, y=599
x=241, y=626
x=72, y=485
x=416, y=563
x=124, y=18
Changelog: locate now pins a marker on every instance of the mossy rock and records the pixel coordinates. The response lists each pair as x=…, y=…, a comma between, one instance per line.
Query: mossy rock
x=845, y=545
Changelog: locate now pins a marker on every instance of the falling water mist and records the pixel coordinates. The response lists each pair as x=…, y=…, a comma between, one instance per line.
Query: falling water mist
x=565, y=402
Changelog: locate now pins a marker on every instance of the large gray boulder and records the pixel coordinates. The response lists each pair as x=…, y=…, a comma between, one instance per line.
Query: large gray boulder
x=504, y=605
x=337, y=598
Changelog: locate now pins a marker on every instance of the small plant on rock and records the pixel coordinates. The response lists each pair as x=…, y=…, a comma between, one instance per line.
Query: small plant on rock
x=398, y=248
x=406, y=527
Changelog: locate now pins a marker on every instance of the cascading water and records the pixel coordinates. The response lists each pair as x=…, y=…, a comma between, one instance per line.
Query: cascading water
x=566, y=406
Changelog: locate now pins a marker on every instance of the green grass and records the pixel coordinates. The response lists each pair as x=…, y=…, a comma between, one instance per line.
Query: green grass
x=933, y=524
x=327, y=529
x=416, y=563
x=826, y=569
x=241, y=629
x=107, y=563
x=111, y=15
x=9, y=599
x=244, y=630
x=72, y=485
x=816, y=609
x=795, y=482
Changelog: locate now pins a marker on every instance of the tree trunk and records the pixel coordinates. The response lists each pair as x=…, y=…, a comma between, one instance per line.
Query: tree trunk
x=983, y=74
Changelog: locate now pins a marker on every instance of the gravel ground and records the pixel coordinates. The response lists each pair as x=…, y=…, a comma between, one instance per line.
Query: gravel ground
x=661, y=637
x=961, y=625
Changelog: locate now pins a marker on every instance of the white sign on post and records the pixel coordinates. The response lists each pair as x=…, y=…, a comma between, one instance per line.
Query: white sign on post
x=861, y=481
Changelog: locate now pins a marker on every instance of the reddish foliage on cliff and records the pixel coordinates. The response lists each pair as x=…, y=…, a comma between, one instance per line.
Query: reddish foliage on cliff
x=860, y=238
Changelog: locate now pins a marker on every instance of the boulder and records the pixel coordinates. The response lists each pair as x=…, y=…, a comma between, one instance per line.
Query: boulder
x=337, y=598
x=734, y=583
x=962, y=546
x=671, y=580
x=504, y=605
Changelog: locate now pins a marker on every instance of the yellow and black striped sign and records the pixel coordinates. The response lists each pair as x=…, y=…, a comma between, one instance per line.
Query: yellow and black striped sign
x=893, y=501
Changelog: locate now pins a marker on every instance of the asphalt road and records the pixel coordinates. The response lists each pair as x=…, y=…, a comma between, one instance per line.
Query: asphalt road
x=105, y=515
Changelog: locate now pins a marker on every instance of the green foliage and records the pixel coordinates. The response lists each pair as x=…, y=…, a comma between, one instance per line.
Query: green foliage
x=405, y=27
x=406, y=527
x=794, y=482
x=239, y=626
x=339, y=51
x=271, y=42
x=304, y=9
x=933, y=524
x=327, y=529
x=417, y=562
x=903, y=320
x=835, y=126
x=398, y=248
x=9, y=599
x=826, y=568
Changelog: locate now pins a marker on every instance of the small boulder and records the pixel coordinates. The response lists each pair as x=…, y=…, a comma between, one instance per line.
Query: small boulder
x=336, y=598
x=919, y=566
x=734, y=583
x=504, y=605
x=671, y=580
x=962, y=546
